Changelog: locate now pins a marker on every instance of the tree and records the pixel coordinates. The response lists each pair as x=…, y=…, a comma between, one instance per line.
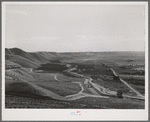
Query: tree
x=119, y=94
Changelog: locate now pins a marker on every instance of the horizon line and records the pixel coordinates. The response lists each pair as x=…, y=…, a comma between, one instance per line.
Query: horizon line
x=74, y=51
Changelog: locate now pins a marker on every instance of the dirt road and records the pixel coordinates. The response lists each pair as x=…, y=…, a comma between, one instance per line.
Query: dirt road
x=135, y=91
x=81, y=94
x=96, y=90
x=105, y=91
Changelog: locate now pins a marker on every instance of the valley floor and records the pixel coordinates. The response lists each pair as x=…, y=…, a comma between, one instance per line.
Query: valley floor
x=55, y=90
x=101, y=80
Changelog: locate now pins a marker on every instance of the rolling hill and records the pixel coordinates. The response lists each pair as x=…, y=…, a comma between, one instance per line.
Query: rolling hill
x=35, y=59
x=27, y=59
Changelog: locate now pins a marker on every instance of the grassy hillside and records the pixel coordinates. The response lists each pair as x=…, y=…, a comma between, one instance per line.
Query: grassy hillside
x=22, y=80
x=40, y=80
x=27, y=59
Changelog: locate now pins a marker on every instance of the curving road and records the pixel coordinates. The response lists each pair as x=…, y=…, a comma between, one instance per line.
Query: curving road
x=105, y=91
x=80, y=94
x=102, y=92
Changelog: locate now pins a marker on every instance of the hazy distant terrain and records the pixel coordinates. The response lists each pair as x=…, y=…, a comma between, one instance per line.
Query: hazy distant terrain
x=74, y=80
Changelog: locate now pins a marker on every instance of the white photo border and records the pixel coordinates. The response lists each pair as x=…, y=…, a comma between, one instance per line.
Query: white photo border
x=65, y=114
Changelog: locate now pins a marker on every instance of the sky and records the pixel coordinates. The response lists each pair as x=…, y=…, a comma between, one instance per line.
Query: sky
x=75, y=27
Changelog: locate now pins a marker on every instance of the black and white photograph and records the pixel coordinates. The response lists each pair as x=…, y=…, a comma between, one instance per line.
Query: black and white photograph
x=72, y=58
